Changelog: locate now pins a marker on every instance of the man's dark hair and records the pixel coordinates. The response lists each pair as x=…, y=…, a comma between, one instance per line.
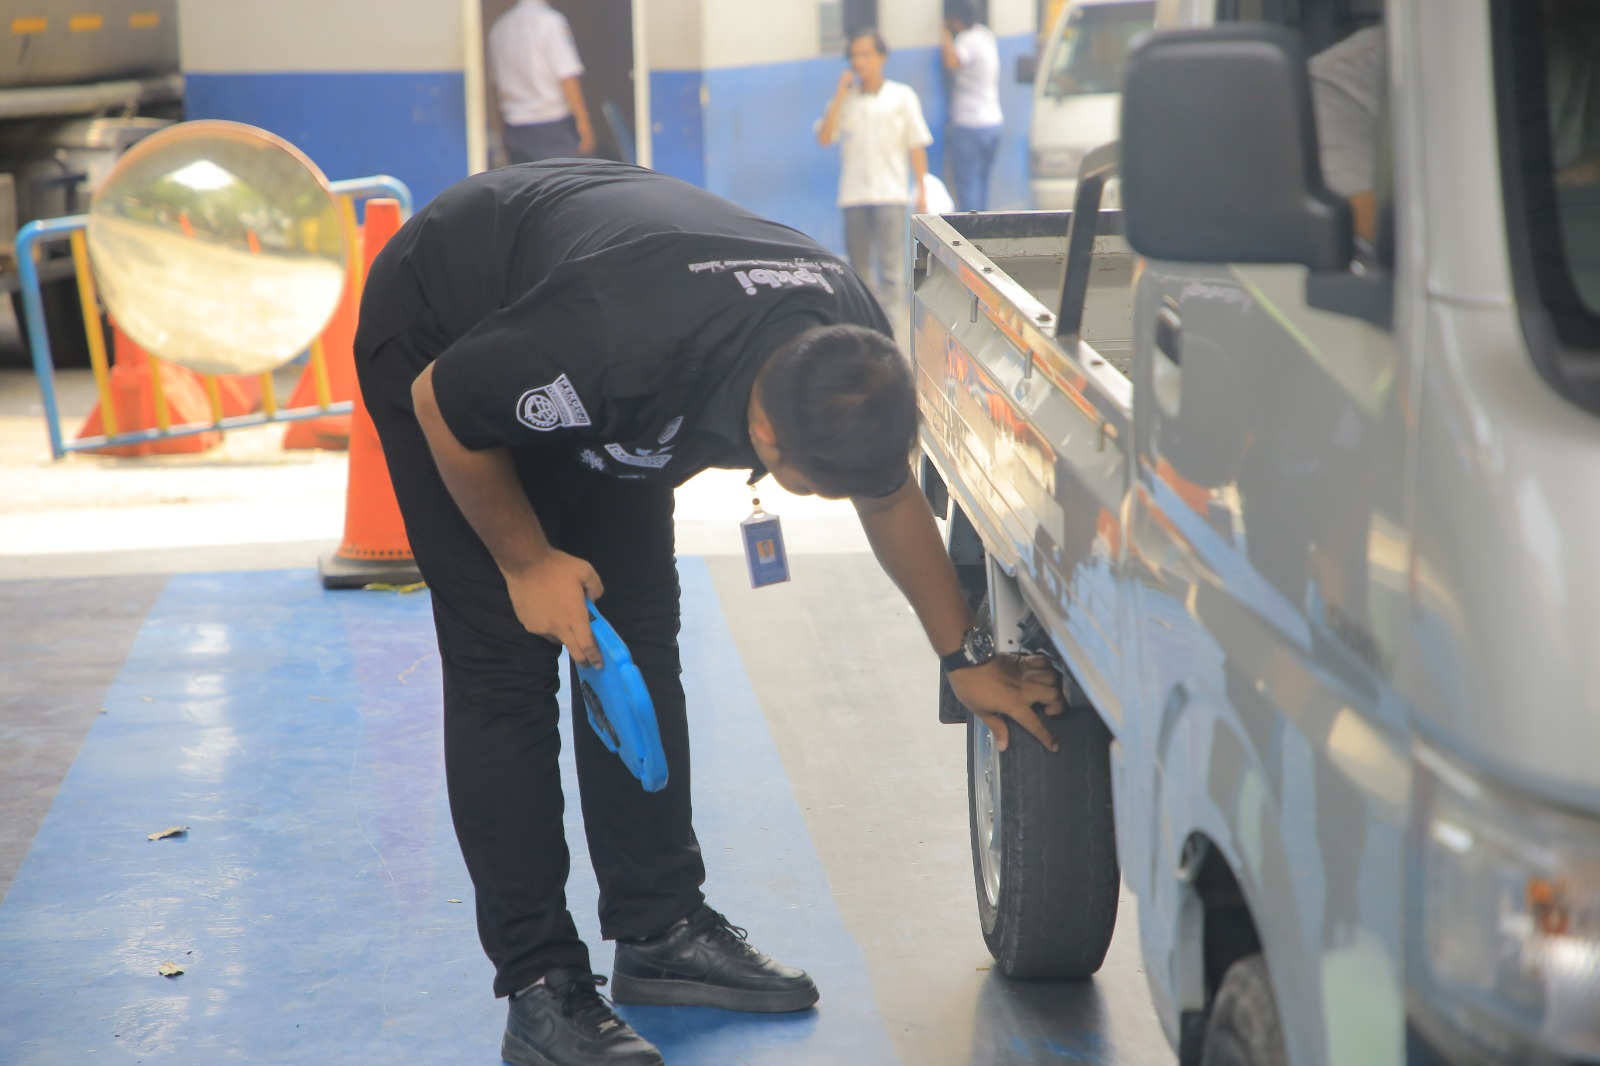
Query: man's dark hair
x=962, y=11
x=873, y=35
x=844, y=409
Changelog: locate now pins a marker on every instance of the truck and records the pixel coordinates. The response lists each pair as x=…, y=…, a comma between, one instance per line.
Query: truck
x=80, y=82
x=1075, y=79
x=1295, y=486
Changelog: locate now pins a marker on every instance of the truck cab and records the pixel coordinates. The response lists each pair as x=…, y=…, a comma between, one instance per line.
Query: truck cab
x=1077, y=91
x=1307, y=530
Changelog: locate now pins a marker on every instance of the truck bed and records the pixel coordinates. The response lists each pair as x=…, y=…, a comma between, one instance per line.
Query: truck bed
x=1027, y=419
x=1030, y=248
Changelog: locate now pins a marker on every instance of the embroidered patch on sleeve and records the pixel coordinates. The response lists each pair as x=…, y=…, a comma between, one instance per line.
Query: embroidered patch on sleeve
x=552, y=406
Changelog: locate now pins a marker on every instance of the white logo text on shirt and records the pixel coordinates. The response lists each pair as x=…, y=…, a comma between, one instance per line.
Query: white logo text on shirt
x=622, y=455
x=777, y=279
x=773, y=273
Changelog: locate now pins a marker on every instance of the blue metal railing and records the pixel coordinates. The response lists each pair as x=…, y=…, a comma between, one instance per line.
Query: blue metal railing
x=50, y=230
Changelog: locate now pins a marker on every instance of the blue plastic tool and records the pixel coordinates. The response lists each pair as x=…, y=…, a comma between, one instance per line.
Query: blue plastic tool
x=619, y=707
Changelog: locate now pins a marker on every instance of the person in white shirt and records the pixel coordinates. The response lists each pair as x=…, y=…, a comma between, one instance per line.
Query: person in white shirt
x=536, y=71
x=1347, y=87
x=972, y=56
x=883, y=141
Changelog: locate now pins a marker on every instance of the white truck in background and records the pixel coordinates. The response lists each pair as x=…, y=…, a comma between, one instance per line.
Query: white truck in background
x=1308, y=518
x=80, y=81
x=1077, y=90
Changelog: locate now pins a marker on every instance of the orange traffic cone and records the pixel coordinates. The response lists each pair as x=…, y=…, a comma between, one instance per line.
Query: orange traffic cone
x=375, y=548
x=238, y=394
x=139, y=385
x=332, y=432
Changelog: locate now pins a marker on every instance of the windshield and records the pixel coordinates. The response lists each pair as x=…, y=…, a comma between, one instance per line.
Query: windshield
x=1572, y=95
x=1550, y=139
x=1093, y=49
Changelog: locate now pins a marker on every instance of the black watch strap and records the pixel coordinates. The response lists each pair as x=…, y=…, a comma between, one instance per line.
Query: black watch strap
x=977, y=648
x=956, y=660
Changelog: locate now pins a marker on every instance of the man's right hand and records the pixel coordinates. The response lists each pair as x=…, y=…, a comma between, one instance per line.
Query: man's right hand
x=847, y=81
x=548, y=597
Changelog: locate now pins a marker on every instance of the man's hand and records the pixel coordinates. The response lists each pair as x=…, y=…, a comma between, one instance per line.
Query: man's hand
x=548, y=598
x=1017, y=687
x=828, y=127
x=947, y=48
x=1008, y=688
x=572, y=89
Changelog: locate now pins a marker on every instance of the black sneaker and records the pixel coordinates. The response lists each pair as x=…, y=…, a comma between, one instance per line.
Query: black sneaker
x=703, y=961
x=564, y=1021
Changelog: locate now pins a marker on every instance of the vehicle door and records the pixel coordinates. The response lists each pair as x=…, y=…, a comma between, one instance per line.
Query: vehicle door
x=1267, y=567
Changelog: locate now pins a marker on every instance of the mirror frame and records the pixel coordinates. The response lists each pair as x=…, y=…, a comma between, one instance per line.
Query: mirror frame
x=1220, y=162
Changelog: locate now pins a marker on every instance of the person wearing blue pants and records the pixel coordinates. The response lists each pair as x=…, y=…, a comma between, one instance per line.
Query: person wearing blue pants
x=976, y=122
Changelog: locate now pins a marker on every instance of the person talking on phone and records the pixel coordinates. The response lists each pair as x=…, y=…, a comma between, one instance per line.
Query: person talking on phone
x=883, y=143
x=547, y=351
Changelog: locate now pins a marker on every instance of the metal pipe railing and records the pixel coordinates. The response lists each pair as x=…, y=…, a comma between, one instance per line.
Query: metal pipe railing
x=32, y=237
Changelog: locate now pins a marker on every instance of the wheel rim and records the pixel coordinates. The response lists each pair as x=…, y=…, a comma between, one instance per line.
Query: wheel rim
x=986, y=793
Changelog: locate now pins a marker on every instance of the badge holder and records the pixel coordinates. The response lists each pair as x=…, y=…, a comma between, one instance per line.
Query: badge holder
x=619, y=707
x=763, y=548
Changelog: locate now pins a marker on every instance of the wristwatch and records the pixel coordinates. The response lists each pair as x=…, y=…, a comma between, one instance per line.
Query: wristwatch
x=977, y=648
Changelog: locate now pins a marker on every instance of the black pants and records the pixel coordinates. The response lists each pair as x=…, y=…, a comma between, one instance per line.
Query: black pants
x=500, y=684
x=542, y=140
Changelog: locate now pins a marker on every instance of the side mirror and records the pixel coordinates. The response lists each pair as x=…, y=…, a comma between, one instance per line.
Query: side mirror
x=1027, y=67
x=1219, y=152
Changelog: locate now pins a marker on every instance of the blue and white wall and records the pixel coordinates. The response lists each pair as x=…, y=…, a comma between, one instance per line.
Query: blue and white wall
x=736, y=86
x=361, y=86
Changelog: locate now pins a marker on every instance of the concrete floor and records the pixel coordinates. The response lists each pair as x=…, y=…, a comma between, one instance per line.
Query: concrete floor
x=295, y=731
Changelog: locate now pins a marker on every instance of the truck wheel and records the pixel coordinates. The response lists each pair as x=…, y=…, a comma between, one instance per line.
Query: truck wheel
x=1244, y=1029
x=1044, y=854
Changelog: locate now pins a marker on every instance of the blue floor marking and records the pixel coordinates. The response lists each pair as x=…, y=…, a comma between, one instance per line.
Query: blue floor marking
x=762, y=870
x=296, y=733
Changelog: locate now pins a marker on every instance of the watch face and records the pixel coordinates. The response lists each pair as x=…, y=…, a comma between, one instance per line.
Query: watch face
x=980, y=645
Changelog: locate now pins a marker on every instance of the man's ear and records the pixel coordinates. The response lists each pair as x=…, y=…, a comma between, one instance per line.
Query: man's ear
x=762, y=433
x=761, y=430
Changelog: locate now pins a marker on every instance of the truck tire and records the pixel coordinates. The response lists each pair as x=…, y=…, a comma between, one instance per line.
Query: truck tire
x=1244, y=1029
x=1044, y=853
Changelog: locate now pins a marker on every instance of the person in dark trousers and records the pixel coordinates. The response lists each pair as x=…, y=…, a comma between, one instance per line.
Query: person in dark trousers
x=547, y=350
x=538, y=84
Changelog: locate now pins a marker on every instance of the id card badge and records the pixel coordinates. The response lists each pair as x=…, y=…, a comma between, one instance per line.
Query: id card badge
x=763, y=549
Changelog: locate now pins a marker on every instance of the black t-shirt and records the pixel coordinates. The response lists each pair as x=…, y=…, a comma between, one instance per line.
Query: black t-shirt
x=602, y=310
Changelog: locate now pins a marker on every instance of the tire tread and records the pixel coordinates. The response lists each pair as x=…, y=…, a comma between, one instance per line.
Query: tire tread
x=1060, y=878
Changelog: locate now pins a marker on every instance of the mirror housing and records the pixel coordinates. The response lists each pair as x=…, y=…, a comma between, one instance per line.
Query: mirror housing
x=1220, y=162
x=1027, y=68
